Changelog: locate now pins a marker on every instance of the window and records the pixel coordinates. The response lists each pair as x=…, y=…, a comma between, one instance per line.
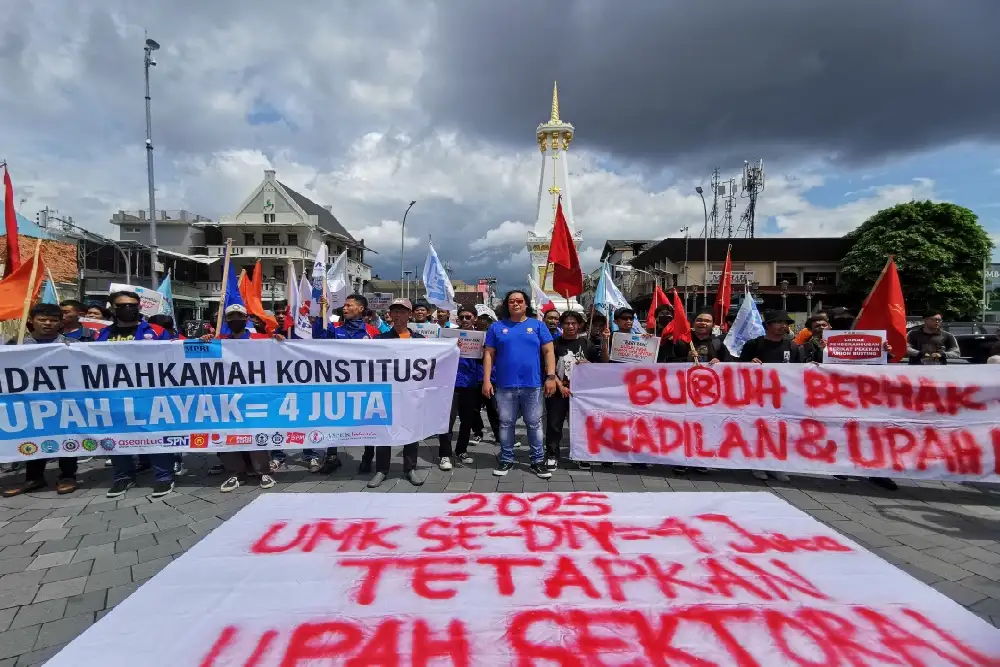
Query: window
x=820, y=277
x=270, y=239
x=791, y=276
x=268, y=217
x=293, y=239
x=249, y=239
x=279, y=273
x=132, y=230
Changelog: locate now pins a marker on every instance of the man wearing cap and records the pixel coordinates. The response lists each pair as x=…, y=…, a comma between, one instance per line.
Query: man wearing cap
x=774, y=347
x=929, y=345
x=399, y=313
x=236, y=320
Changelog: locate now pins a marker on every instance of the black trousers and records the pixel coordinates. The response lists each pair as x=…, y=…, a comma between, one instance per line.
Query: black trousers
x=383, y=456
x=34, y=470
x=556, y=411
x=491, y=413
x=465, y=406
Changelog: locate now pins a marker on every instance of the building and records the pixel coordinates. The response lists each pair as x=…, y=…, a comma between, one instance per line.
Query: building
x=797, y=274
x=415, y=290
x=274, y=224
x=554, y=137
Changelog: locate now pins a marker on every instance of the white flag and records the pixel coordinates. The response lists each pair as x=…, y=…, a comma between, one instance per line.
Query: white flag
x=303, y=327
x=291, y=296
x=318, y=274
x=748, y=325
x=338, y=285
x=436, y=282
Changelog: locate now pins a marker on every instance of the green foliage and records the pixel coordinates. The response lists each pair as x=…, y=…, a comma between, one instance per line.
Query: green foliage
x=940, y=250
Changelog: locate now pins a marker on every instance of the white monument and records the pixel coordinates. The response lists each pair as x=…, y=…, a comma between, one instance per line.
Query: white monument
x=554, y=137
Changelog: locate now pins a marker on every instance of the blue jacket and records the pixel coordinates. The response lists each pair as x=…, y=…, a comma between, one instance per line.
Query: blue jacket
x=345, y=329
x=145, y=331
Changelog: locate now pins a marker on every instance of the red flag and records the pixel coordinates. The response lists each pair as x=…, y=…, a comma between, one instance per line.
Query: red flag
x=14, y=289
x=659, y=299
x=724, y=297
x=884, y=308
x=567, y=278
x=10, y=225
x=679, y=328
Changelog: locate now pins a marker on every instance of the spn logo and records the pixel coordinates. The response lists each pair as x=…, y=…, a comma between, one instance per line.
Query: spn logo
x=239, y=439
x=176, y=440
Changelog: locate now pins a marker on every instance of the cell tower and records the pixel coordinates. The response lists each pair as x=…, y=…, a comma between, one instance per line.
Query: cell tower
x=728, y=205
x=752, y=185
x=714, y=215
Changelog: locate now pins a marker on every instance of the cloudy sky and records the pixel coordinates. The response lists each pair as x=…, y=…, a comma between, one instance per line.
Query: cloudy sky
x=853, y=105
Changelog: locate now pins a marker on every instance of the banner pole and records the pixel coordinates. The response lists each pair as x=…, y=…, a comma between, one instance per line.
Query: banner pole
x=222, y=294
x=29, y=297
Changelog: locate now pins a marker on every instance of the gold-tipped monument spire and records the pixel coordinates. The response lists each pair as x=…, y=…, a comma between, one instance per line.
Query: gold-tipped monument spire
x=555, y=103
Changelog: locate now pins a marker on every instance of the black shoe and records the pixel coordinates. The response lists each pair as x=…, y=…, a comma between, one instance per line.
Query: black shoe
x=503, y=468
x=331, y=464
x=365, y=467
x=161, y=489
x=27, y=487
x=541, y=470
x=884, y=482
x=120, y=488
x=583, y=465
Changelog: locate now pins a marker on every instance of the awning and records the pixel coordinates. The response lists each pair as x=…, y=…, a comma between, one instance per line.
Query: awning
x=201, y=259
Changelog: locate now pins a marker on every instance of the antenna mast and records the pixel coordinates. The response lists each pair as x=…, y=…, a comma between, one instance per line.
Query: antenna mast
x=752, y=185
x=729, y=203
x=714, y=216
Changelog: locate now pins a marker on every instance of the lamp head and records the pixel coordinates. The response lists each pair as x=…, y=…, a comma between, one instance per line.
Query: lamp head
x=698, y=189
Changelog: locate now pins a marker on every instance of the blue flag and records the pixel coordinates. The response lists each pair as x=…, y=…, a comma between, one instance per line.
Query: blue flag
x=166, y=290
x=608, y=298
x=231, y=297
x=49, y=293
x=439, y=290
x=748, y=325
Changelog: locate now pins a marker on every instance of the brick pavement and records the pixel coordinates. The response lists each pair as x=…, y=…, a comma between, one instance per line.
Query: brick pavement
x=65, y=561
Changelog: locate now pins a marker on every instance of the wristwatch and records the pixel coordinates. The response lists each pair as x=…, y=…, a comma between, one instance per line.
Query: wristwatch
x=550, y=377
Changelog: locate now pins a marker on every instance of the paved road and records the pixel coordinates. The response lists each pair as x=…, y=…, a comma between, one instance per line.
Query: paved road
x=66, y=560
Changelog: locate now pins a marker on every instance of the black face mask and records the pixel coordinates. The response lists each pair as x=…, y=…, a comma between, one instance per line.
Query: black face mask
x=127, y=312
x=237, y=326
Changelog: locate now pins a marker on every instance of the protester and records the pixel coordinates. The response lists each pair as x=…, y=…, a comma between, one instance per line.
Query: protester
x=774, y=347
x=805, y=334
x=444, y=319
x=552, y=322
x=705, y=347
x=467, y=400
x=813, y=347
x=569, y=350
x=128, y=325
x=399, y=313
x=373, y=319
x=98, y=312
x=929, y=345
x=421, y=312
x=515, y=345
x=46, y=320
x=72, y=311
x=167, y=322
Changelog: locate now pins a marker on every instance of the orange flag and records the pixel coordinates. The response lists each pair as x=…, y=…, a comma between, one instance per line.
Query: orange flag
x=244, y=286
x=250, y=290
x=679, y=328
x=885, y=309
x=14, y=288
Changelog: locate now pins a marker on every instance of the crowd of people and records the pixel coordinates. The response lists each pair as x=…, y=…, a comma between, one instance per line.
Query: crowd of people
x=526, y=372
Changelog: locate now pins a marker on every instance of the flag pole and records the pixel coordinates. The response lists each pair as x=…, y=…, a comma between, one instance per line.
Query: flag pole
x=290, y=323
x=28, y=298
x=875, y=285
x=326, y=299
x=225, y=285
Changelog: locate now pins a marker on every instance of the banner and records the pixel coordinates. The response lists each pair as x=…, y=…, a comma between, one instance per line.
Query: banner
x=425, y=329
x=858, y=346
x=572, y=579
x=924, y=422
x=150, y=301
x=630, y=348
x=470, y=343
x=143, y=397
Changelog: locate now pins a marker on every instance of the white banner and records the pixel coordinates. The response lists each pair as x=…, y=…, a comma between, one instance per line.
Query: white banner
x=470, y=343
x=940, y=422
x=573, y=579
x=630, y=348
x=425, y=329
x=143, y=397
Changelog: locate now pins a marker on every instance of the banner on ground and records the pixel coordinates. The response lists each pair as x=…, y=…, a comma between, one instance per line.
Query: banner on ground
x=150, y=301
x=940, y=422
x=470, y=343
x=695, y=579
x=631, y=348
x=145, y=397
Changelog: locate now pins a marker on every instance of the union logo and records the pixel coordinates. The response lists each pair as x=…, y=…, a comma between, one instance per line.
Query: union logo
x=28, y=448
x=69, y=445
x=89, y=444
x=50, y=446
x=107, y=444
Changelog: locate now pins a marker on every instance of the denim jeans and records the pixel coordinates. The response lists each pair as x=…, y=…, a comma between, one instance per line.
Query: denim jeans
x=163, y=467
x=526, y=402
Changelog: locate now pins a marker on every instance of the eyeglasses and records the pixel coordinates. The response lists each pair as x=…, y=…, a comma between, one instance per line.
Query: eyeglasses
x=516, y=301
x=467, y=317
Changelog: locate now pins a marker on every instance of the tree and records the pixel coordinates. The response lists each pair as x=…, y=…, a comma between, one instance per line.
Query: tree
x=940, y=251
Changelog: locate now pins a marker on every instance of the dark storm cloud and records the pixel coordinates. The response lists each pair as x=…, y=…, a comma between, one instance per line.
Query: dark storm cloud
x=726, y=79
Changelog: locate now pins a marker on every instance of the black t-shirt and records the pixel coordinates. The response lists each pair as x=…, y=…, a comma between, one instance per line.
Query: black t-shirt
x=570, y=352
x=120, y=333
x=707, y=349
x=772, y=351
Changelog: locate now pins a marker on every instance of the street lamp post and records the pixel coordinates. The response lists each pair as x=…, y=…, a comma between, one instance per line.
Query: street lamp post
x=809, y=297
x=687, y=236
x=704, y=208
x=784, y=295
x=406, y=276
x=402, y=239
x=151, y=45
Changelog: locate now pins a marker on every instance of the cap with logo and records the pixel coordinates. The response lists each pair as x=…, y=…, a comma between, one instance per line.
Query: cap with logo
x=400, y=303
x=236, y=308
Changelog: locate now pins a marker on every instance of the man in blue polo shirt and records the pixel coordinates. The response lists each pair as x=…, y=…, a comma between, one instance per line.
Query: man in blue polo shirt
x=515, y=347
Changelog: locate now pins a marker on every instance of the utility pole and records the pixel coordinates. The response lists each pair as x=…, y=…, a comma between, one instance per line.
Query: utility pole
x=151, y=45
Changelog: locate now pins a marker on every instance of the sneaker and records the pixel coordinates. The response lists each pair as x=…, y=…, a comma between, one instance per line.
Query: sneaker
x=217, y=469
x=415, y=478
x=266, y=481
x=179, y=468
x=26, y=487
x=551, y=464
x=108, y=463
x=475, y=438
x=120, y=488
x=330, y=465
x=161, y=489
x=376, y=481
x=759, y=474
x=230, y=485
x=276, y=464
x=780, y=476
x=314, y=465
x=503, y=468
x=466, y=459
x=444, y=463
x=583, y=465
x=365, y=467
x=540, y=470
